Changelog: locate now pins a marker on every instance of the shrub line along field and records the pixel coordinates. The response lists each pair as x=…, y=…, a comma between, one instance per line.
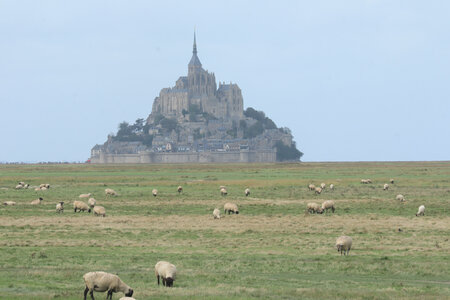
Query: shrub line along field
x=273, y=249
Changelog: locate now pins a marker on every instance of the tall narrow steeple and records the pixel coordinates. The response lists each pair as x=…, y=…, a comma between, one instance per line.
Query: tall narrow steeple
x=194, y=50
x=195, y=62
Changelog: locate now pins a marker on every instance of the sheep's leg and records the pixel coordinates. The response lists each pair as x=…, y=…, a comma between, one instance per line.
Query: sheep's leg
x=157, y=278
x=110, y=292
x=164, y=281
x=92, y=294
x=86, y=290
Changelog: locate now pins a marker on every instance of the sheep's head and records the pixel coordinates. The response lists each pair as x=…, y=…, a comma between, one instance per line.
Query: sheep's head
x=169, y=281
x=129, y=293
x=40, y=198
x=339, y=247
x=89, y=210
x=61, y=202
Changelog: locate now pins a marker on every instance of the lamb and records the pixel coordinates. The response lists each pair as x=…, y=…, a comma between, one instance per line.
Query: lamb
x=247, y=192
x=314, y=208
x=311, y=187
x=223, y=191
x=99, y=211
x=318, y=190
x=180, y=189
x=37, y=201
x=327, y=205
x=80, y=206
x=400, y=198
x=166, y=271
x=421, y=211
x=85, y=195
x=9, y=203
x=91, y=202
x=110, y=192
x=331, y=186
x=102, y=282
x=344, y=244
x=230, y=208
x=385, y=187
x=216, y=213
x=60, y=207
x=155, y=192
x=322, y=186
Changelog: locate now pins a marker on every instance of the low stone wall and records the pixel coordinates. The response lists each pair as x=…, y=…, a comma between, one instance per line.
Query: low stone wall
x=186, y=157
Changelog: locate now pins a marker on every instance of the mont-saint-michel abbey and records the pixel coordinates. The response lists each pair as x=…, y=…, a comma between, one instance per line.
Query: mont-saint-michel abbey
x=196, y=121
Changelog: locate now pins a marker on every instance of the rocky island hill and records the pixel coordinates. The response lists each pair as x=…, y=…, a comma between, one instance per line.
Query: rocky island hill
x=196, y=121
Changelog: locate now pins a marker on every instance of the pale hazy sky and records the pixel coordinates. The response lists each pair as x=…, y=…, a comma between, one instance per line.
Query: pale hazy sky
x=353, y=80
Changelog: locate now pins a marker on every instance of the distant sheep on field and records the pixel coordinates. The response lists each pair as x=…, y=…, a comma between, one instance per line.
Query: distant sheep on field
x=60, y=207
x=400, y=198
x=102, y=282
x=37, y=201
x=314, y=208
x=80, y=206
x=9, y=203
x=167, y=272
x=99, y=211
x=216, y=213
x=329, y=204
x=311, y=187
x=110, y=192
x=247, y=192
x=385, y=187
x=180, y=189
x=85, y=195
x=391, y=181
x=155, y=192
x=421, y=211
x=331, y=187
x=223, y=191
x=230, y=208
x=318, y=190
x=91, y=202
x=323, y=185
x=344, y=244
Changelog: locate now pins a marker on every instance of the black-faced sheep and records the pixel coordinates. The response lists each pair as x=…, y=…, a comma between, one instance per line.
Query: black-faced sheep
x=102, y=282
x=180, y=189
x=247, y=192
x=230, y=208
x=344, y=244
x=166, y=271
x=37, y=201
x=60, y=207
x=155, y=192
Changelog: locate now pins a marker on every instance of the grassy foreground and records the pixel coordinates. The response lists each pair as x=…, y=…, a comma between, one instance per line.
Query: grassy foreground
x=271, y=250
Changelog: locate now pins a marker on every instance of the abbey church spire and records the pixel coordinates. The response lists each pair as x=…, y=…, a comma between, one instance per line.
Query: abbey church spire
x=195, y=62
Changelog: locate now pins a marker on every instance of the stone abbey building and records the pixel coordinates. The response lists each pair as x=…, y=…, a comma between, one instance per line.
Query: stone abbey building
x=196, y=121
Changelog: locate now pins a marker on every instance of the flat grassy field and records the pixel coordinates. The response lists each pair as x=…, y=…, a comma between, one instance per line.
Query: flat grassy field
x=271, y=250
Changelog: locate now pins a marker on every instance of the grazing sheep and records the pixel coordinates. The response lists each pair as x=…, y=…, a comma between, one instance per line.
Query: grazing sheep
x=91, y=202
x=99, y=211
x=223, y=191
x=385, y=187
x=230, y=208
x=60, y=207
x=314, y=208
x=166, y=271
x=247, y=192
x=329, y=204
x=179, y=189
x=19, y=187
x=391, y=181
x=369, y=180
x=80, y=206
x=85, y=195
x=9, y=203
x=344, y=244
x=421, y=211
x=44, y=185
x=110, y=192
x=102, y=282
x=322, y=186
x=37, y=201
x=216, y=213
x=318, y=190
x=311, y=187
x=331, y=186
x=364, y=181
x=155, y=192
x=400, y=198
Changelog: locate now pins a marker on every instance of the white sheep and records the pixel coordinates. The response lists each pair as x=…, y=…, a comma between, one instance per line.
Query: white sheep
x=9, y=203
x=80, y=206
x=364, y=181
x=110, y=192
x=85, y=195
x=60, y=207
x=329, y=204
x=311, y=187
x=318, y=190
x=91, y=202
x=37, y=201
x=247, y=192
x=344, y=244
x=179, y=189
x=331, y=186
x=102, y=282
x=223, y=191
x=216, y=213
x=314, y=208
x=166, y=271
x=400, y=198
x=322, y=186
x=385, y=187
x=44, y=185
x=391, y=181
x=155, y=192
x=230, y=208
x=99, y=211
x=19, y=187
x=421, y=211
